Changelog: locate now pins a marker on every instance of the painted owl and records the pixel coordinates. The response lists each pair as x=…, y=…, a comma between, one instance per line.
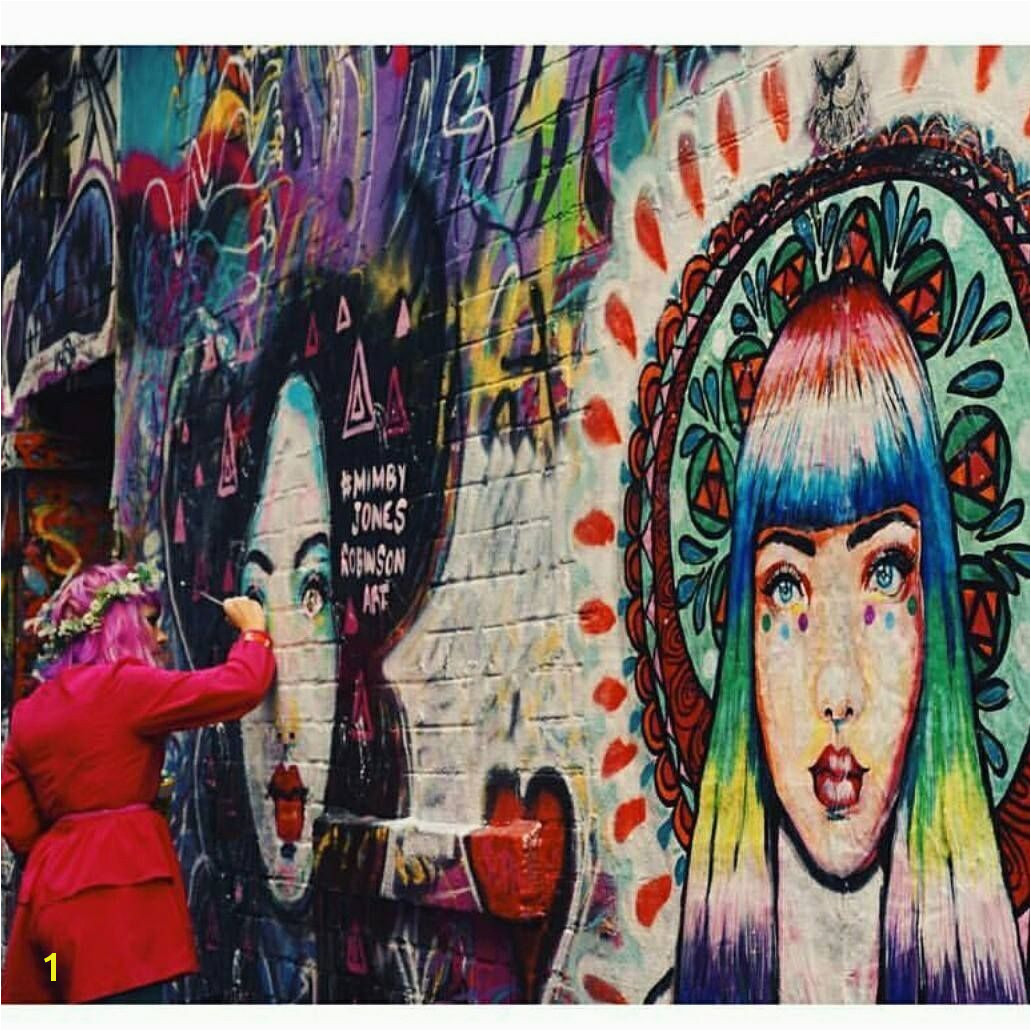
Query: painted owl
x=841, y=102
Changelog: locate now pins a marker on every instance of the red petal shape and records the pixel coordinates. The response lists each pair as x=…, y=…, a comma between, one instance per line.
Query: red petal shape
x=617, y=757
x=986, y=57
x=595, y=529
x=913, y=67
x=726, y=133
x=610, y=693
x=628, y=816
x=775, y=97
x=651, y=897
x=647, y=229
x=601, y=991
x=596, y=617
x=599, y=425
x=690, y=176
x=621, y=323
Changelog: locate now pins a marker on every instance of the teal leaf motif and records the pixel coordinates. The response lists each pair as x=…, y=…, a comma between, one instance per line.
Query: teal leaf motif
x=890, y=208
x=972, y=301
x=647, y=773
x=995, y=322
x=664, y=832
x=1005, y=575
x=982, y=379
x=712, y=393
x=803, y=226
x=917, y=233
x=698, y=613
x=693, y=551
x=692, y=437
x=681, y=871
x=635, y=721
x=760, y=278
x=741, y=320
x=695, y=398
x=686, y=587
x=993, y=695
x=1010, y=515
x=746, y=282
x=1016, y=556
x=830, y=223
x=912, y=202
x=993, y=751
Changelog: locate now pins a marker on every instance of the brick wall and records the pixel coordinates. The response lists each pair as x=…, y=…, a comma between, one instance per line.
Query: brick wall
x=387, y=317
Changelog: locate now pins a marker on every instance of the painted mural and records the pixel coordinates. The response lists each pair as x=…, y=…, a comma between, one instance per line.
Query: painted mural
x=60, y=259
x=631, y=449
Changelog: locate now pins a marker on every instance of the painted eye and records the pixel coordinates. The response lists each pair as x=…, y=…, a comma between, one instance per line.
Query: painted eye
x=889, y=572
x=313, y=600
x=840, y=80
x=784, y=587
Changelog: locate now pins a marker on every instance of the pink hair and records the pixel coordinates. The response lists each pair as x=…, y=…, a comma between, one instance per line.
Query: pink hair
x=123, y=633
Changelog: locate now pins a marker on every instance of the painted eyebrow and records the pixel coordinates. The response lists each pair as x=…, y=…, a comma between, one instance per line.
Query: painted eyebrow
x=792, y=540
x=866, y=530
x=307, y=544
x=260, y=559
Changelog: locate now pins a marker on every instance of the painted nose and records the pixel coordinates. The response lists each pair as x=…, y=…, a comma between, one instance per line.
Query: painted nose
x=838, y=694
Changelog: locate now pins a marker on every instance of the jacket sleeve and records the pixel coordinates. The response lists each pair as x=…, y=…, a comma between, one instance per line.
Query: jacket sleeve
x=22, y=824
x=162, y=701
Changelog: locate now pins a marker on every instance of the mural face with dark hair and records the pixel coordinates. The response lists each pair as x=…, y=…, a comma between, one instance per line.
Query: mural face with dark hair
x=332, y=467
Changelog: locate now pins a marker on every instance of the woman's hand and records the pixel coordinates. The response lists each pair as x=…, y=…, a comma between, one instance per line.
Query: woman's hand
x=244, y=613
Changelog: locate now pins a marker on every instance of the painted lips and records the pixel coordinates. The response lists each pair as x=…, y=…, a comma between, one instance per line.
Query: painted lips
x=288, y=794
x=837, y=779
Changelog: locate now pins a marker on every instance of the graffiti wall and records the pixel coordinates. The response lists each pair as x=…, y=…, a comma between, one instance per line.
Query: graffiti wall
x=631, y=449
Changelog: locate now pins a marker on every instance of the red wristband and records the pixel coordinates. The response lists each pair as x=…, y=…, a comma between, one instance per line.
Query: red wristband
x=257, y=635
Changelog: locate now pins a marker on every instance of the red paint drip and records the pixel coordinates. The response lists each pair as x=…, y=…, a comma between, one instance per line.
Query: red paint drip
x=621, y=323
x=726, y=133
x=914, y=65
x=690, y=176
x=601, y=991
x=595, y=530
x=629, y=815
x=647, y=228
x=599, y=425
x=986, y=57
x=651, y=897
x=610, y=693
x=399, y=60
x=596, y=617
x=617, y=757
x=775, y=97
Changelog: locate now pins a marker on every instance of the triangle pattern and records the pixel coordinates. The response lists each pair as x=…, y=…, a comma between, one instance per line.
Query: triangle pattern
x=361, y=719
x=343, y=315
x=397, y=415
x=311, y=345
x=359, y=416
x=404, y=320
x=227, y=479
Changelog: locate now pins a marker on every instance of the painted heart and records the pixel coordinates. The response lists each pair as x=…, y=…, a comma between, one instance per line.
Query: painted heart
x=523, y=863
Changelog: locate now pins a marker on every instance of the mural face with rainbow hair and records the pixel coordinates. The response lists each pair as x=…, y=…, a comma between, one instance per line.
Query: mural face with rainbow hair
x=813, y=512
x=837, y=614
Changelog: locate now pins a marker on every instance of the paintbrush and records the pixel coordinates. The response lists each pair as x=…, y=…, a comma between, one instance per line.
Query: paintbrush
x=203, y=594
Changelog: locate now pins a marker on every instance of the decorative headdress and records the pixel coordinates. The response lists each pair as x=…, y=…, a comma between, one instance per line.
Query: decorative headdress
x=56, y=635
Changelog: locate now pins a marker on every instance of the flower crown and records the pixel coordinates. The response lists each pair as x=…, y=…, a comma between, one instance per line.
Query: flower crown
x=54, y=637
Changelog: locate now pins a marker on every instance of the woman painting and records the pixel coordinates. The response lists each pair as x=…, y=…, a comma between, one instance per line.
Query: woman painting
x=101, y=891
x=844, y=849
